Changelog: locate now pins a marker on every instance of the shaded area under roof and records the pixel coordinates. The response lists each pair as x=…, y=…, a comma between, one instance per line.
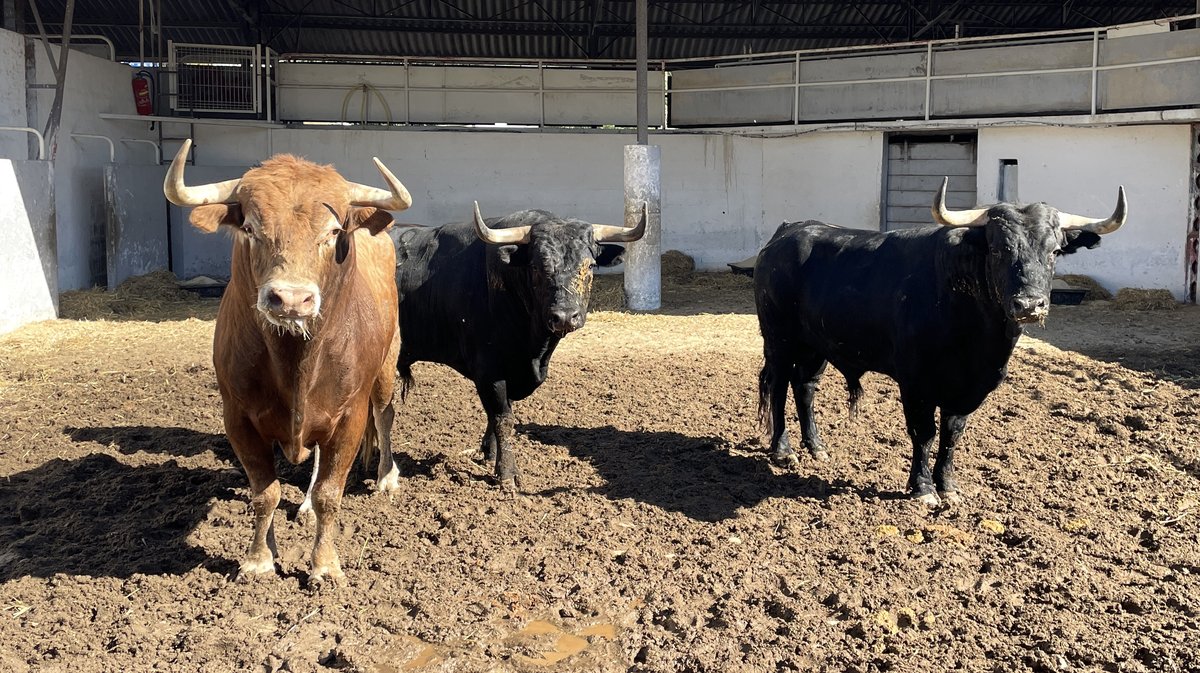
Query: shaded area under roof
x=569, y=29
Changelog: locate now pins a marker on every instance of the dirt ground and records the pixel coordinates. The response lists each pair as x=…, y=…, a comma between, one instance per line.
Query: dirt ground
x=653, y=535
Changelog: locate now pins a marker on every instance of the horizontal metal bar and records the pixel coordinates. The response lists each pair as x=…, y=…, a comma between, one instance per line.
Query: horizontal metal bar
x=1081, y=32
x=36, y=133
x=301, y=57
x=921, y=78
x=459, y=89
x=112, y=50
x=112, y=149
x=156, y=146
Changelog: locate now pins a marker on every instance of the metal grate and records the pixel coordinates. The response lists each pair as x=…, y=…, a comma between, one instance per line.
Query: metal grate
x=214, y=78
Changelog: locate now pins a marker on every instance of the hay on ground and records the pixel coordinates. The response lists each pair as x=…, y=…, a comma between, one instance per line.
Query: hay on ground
x=1133, y=298
x=153, y=296
x=677, y=265
x=1095, y=291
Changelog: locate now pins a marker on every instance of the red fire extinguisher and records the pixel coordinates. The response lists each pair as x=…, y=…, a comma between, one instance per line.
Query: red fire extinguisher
x=141, y=93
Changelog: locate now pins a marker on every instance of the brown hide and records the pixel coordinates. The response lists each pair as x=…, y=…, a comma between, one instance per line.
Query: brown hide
x=320, y=388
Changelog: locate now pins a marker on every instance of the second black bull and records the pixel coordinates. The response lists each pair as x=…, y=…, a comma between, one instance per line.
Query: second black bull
x=492, y=298
x=937, y=309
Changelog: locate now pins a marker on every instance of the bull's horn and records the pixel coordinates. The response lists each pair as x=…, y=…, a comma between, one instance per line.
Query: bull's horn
x=607, y=233
x=975, y=217
x=1097, y=226
x=394, y=198
x=197, y=195
x=513, y=236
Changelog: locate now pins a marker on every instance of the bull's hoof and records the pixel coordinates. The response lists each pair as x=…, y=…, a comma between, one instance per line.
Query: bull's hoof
x=930, y=500
x=510, y=487
x=786, y=460
x=821, y=455
x=329, y=576
x=253, y=568
x=389, y=482
x=951, y=497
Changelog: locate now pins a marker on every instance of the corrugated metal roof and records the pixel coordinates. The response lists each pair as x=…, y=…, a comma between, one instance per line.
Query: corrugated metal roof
x=576, y=29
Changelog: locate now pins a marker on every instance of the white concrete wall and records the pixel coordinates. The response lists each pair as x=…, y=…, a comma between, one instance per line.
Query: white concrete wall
x=833, y=177
x=709, y=187
x=28, y=291
x=13, y=145
x=94, y=85
x=722, y=196
x=1079, y=169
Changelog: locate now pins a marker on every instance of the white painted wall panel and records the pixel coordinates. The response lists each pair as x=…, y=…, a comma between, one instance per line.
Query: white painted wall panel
x=831, y=177
x=1079, y=169
x=332, y=92
x=13, y=145
x=94, y=85
x=30, y=288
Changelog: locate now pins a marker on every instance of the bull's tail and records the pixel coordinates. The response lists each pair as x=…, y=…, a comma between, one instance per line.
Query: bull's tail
x=855, y=388
x=764, y=399
x=370, y=442
x=774, y=374
x=404, y=370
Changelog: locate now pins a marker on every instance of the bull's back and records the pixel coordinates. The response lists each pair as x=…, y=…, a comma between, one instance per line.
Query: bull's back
x=851, y=295
x=442, y=294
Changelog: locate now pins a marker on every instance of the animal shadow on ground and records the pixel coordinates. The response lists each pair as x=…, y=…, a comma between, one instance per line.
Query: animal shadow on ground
x=175, y=441
x=97, y=516
x=185, y=442
x=697, y=476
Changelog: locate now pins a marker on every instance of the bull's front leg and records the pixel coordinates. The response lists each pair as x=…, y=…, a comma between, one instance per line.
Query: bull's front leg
x=336, y=459
x=943, y=470
x=257, y=457
x=919, y=417
x=501, y=424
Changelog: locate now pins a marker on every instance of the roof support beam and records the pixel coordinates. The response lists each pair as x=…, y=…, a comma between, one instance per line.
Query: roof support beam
x=945, y=14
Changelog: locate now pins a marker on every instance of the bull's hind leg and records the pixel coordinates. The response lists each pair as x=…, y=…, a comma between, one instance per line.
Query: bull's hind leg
x=257, y=457
x=805, y=380
x=387, y=475
x=772, y=403
x=951, y=432
x=919, y=417
x=383, y=414
x=494, y=396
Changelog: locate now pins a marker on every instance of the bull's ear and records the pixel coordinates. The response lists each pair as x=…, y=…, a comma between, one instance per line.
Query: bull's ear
x=1078, y=238
x=373, y=219
x=516, y=255
x=209, y=218
x=610, y=255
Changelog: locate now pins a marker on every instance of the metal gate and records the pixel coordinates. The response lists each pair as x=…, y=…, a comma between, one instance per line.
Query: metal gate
x=915, y=167
x=214, y=78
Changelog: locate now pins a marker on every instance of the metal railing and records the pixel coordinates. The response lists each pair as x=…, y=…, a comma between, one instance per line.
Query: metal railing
x=112, y=149
x=930, y=48
x=155, y=145
x=35, y=133
x=112, y=50
x=404, y=89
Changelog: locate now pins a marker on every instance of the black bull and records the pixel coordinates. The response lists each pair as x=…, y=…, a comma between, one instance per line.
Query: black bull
x=492, y=299
x=937, y=309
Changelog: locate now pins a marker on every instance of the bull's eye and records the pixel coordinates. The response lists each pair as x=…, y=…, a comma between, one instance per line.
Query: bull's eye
x=330, y=237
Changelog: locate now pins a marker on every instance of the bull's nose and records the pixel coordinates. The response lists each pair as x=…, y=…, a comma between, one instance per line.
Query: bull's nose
x=293, y=302
x=1028, y=307
x=565, y=321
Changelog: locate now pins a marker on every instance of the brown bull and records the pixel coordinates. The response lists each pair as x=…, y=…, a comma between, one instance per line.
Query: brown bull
x=307, y=334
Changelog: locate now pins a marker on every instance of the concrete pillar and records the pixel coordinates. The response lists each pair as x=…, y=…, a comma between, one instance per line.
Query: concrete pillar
x=643, y=265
